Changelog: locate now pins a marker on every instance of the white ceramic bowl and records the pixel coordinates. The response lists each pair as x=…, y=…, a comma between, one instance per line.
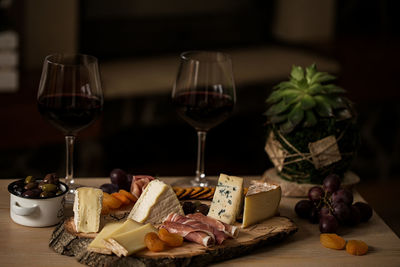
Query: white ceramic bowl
x=37, y=212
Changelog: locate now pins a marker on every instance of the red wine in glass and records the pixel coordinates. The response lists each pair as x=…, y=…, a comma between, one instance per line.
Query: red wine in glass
x=70, y=97
x=204, y=95
x=69, y=113
x=202, y=109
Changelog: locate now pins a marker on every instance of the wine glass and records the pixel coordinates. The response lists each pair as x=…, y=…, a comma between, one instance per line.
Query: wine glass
x=70, y=97
x=204, y=95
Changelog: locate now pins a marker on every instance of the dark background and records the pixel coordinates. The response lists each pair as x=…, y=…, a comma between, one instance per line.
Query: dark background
x=364, y=43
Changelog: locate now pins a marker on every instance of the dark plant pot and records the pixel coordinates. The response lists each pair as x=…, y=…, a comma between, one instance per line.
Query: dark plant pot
x=304, y=171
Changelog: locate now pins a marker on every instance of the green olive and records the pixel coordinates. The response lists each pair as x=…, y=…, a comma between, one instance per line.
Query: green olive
x=29, y=179
x=44, y=194
x=49, y=187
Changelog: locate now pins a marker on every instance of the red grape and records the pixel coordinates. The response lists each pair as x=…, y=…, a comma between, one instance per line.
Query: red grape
x=342, y=195
x=303, y=208
x=316, y=193
x=324, y=211
x=331, y=183
x=119, y=178
x=109, y=188
x=342, y=211
x=365, y=211
x=314, y=215
x=328, y=224
x=355, y=216
x=129, y=178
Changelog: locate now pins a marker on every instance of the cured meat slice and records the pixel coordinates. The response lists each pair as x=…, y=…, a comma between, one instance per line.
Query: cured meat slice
x=139, y=183
x=219, y=236
x=230, y=230
x=189, y=233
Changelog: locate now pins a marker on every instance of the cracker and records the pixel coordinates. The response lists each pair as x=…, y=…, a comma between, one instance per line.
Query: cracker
x=208, y=195
x=204, y=191
x=187, y=192
x=178, y=191
x=196, y=190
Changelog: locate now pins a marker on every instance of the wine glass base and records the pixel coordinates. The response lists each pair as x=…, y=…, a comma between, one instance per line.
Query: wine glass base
x=192, y=182
x=70, y=196
x=201, y=183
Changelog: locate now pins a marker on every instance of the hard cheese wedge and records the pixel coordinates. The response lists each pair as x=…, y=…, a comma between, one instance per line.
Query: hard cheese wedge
x=97, y=245
x=155, y=203
x=130, y=242
x=228, y=199
x=127, y=226
x=261, y=202
x=87, y=209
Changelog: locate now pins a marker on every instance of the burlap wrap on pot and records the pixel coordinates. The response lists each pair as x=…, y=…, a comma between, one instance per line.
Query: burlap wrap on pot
x=321, y=153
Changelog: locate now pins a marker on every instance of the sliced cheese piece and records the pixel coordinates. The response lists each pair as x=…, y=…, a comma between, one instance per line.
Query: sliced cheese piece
x=155, y=203
x=127, y=226
x=227, y=202
x=129, y=242
x=97, y=245
x=87, y=209
x=261, y=202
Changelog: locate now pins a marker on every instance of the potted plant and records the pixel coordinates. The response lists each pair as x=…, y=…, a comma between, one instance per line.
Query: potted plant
x=311, y=127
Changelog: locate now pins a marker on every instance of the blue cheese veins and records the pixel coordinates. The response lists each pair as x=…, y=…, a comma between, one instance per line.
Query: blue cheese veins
x=228, y=199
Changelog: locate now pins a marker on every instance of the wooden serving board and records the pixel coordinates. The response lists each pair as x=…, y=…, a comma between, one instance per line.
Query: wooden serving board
x=66, y=241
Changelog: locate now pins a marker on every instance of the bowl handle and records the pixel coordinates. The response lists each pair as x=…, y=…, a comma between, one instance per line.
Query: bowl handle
x=24, y=211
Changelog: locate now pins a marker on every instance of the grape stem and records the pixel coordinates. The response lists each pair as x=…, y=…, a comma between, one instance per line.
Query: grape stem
x=327, y=202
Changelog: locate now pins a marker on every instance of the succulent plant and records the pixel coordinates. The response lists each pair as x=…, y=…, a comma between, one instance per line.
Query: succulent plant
x=308, y=96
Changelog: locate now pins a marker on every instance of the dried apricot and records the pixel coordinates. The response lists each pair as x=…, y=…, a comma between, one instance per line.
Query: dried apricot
x=111, y=201
x=356, y=247
x=153, y=242
x=128, y=195
x=105, y=209
x=173, y=240
x=122, y=198
x=332, y=241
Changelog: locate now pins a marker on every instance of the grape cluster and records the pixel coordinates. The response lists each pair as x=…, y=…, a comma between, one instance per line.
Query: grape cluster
x=119, y=180
x=331, y=206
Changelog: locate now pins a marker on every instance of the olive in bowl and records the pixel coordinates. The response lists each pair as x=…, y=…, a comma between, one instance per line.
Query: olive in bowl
x=37, y=203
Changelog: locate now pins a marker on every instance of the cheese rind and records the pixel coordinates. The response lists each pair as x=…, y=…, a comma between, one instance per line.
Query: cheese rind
x=227, y=202
x=130, y=242
x=97, y=245
x=87, y=209
x=155, y=203
x=261, y=202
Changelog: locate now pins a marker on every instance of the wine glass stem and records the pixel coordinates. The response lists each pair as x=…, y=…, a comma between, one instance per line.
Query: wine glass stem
x=201, y=143
x=69, y=177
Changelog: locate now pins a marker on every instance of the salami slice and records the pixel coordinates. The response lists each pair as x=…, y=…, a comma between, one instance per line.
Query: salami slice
x=230, y=230
x=189, y=233
x=219, y=236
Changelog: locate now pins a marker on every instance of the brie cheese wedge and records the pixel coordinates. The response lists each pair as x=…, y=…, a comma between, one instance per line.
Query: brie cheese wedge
x=87, y=209
x=155, y=203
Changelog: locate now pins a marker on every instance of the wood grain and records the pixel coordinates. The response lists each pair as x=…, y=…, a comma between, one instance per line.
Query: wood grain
x=67, y=242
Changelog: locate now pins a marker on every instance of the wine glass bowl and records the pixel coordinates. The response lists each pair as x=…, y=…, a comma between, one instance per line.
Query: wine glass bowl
x=70, y=98
x=204, y=96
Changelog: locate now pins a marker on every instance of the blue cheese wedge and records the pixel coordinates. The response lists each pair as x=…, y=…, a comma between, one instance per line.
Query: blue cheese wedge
x=227, y=202
x=261, y=202
x=155, y=203
x=87, y=209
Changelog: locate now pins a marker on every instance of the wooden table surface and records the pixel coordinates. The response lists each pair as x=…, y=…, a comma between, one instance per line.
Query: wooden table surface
x=26, y=246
